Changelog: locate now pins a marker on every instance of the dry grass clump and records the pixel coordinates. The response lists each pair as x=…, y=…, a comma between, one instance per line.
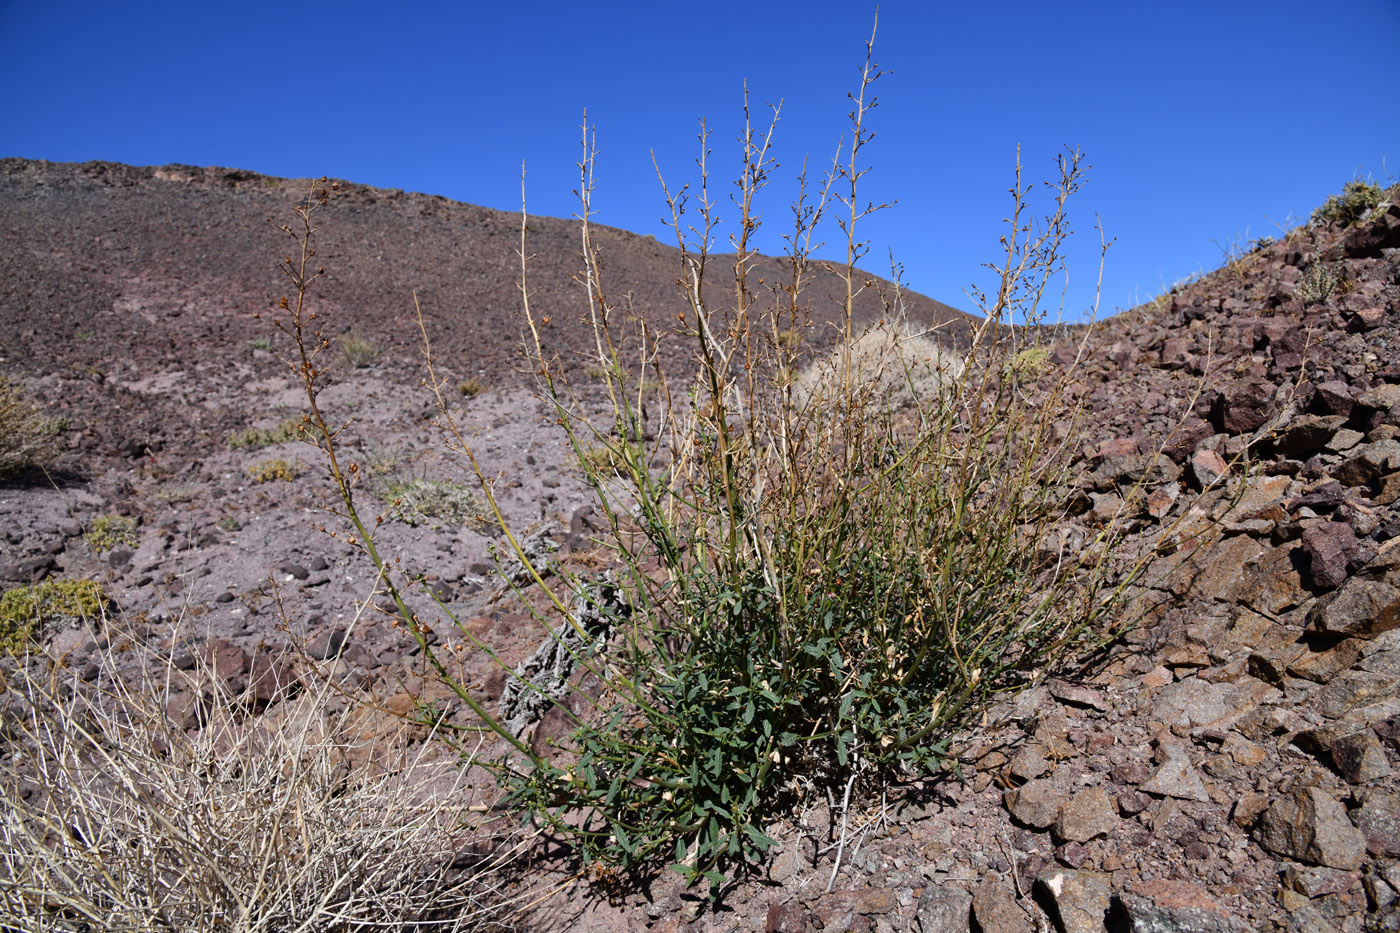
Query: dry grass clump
x=276, y=470
x=253, y=438
x=898, y=364
x=116, y=819
x=27, y=435
x=358, y=350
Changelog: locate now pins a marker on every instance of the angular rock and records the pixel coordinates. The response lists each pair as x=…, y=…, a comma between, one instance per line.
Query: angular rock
x=943, y=909
x=785, y=918
x=1079, y=899
x=1194, y=703
x=1036, y=804
x=1326, y=659
x=1377, y=816
x=1207, y=467
x=1087, y=814
x=1244, y=408
x=1334, y=398
x=996, y=910
x=1361, y=608
x=1176, y=777
x=1352, y=690
x=1227, y=571
x=1360, y=758
x=1311, y=826
x=1028, y=763
x=1330, y=548
x=1316, y=881
x=1306, y=434
x=1166, y=906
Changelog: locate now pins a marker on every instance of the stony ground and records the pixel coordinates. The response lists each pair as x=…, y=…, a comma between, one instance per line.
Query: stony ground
x=1229, y=766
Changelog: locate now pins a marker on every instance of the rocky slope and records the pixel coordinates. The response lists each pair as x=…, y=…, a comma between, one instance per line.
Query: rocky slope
x=1229, y=766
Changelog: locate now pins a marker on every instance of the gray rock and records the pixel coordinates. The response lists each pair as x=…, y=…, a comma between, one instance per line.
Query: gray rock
x=1028, y=763
x=1351, y=690
x=1165, y=906
x=1036, y=804
x=1199, y=704
x=1079, y=899
x=1087, y=814
x=1360, y=758
x=1362, y=608
x=1311, y=826
x=944, y=909
x=1176, y=777
x=1377, y=816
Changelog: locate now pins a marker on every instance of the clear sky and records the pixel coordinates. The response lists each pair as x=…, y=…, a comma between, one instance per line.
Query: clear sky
x=1203, y=120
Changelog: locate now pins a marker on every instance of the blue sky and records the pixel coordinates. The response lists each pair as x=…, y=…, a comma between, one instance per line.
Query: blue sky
x=1202, y=120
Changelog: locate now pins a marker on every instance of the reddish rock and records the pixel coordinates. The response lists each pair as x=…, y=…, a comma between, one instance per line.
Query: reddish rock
x=1207, y=467
x=1330, y=548
x=1359, y=758
x=1168, y=906
x=1334, y=398
x=1243, y=408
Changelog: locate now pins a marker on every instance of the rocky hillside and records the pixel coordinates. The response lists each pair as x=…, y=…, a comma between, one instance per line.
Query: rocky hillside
x=1231, y=765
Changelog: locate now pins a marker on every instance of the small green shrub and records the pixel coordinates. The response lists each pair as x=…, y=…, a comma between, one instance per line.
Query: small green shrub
x=27, y=435
x=27, y=612
x=1351, y=205
x=1029, y=364
x=261, y=343
x=111, y=531
x=358, y=350
x=425, y=501
x=1318, y=283
x=471, y=387
x=276, y=470
x=255, y=438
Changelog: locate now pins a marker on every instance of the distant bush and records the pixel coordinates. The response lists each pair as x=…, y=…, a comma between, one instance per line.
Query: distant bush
x=425, y=501
x=471, y=387
x=1351, y=205
x=27, y=435
x=272, y=471
x=111, y=531
x=28, y=612
x=254, y=438
x=358, y=350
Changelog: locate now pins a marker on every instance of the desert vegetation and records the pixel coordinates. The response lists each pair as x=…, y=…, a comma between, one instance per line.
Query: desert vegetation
x=822, y=568
x=819, y=569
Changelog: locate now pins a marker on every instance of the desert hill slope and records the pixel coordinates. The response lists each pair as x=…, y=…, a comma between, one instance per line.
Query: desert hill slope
x=1229, y=764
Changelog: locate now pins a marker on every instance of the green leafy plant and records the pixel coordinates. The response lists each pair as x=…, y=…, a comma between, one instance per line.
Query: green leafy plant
x=274, y=471
x=1351, y=205
x=28, y=612
x=255, y=438
x=814, y=589
x=111, y=531
x=27, y=435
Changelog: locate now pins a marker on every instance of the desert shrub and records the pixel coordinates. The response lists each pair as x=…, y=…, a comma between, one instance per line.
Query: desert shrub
x=898, y=365
x=28, y=613
x=1351, y=205
x=115, y=818
x=111, y=531
x=817, y=585
x=27, y=435
x=357, y=350
x=471, y=387
x=420, y=501
x=254, y=438
x=277, y=470
x=1317, y=284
